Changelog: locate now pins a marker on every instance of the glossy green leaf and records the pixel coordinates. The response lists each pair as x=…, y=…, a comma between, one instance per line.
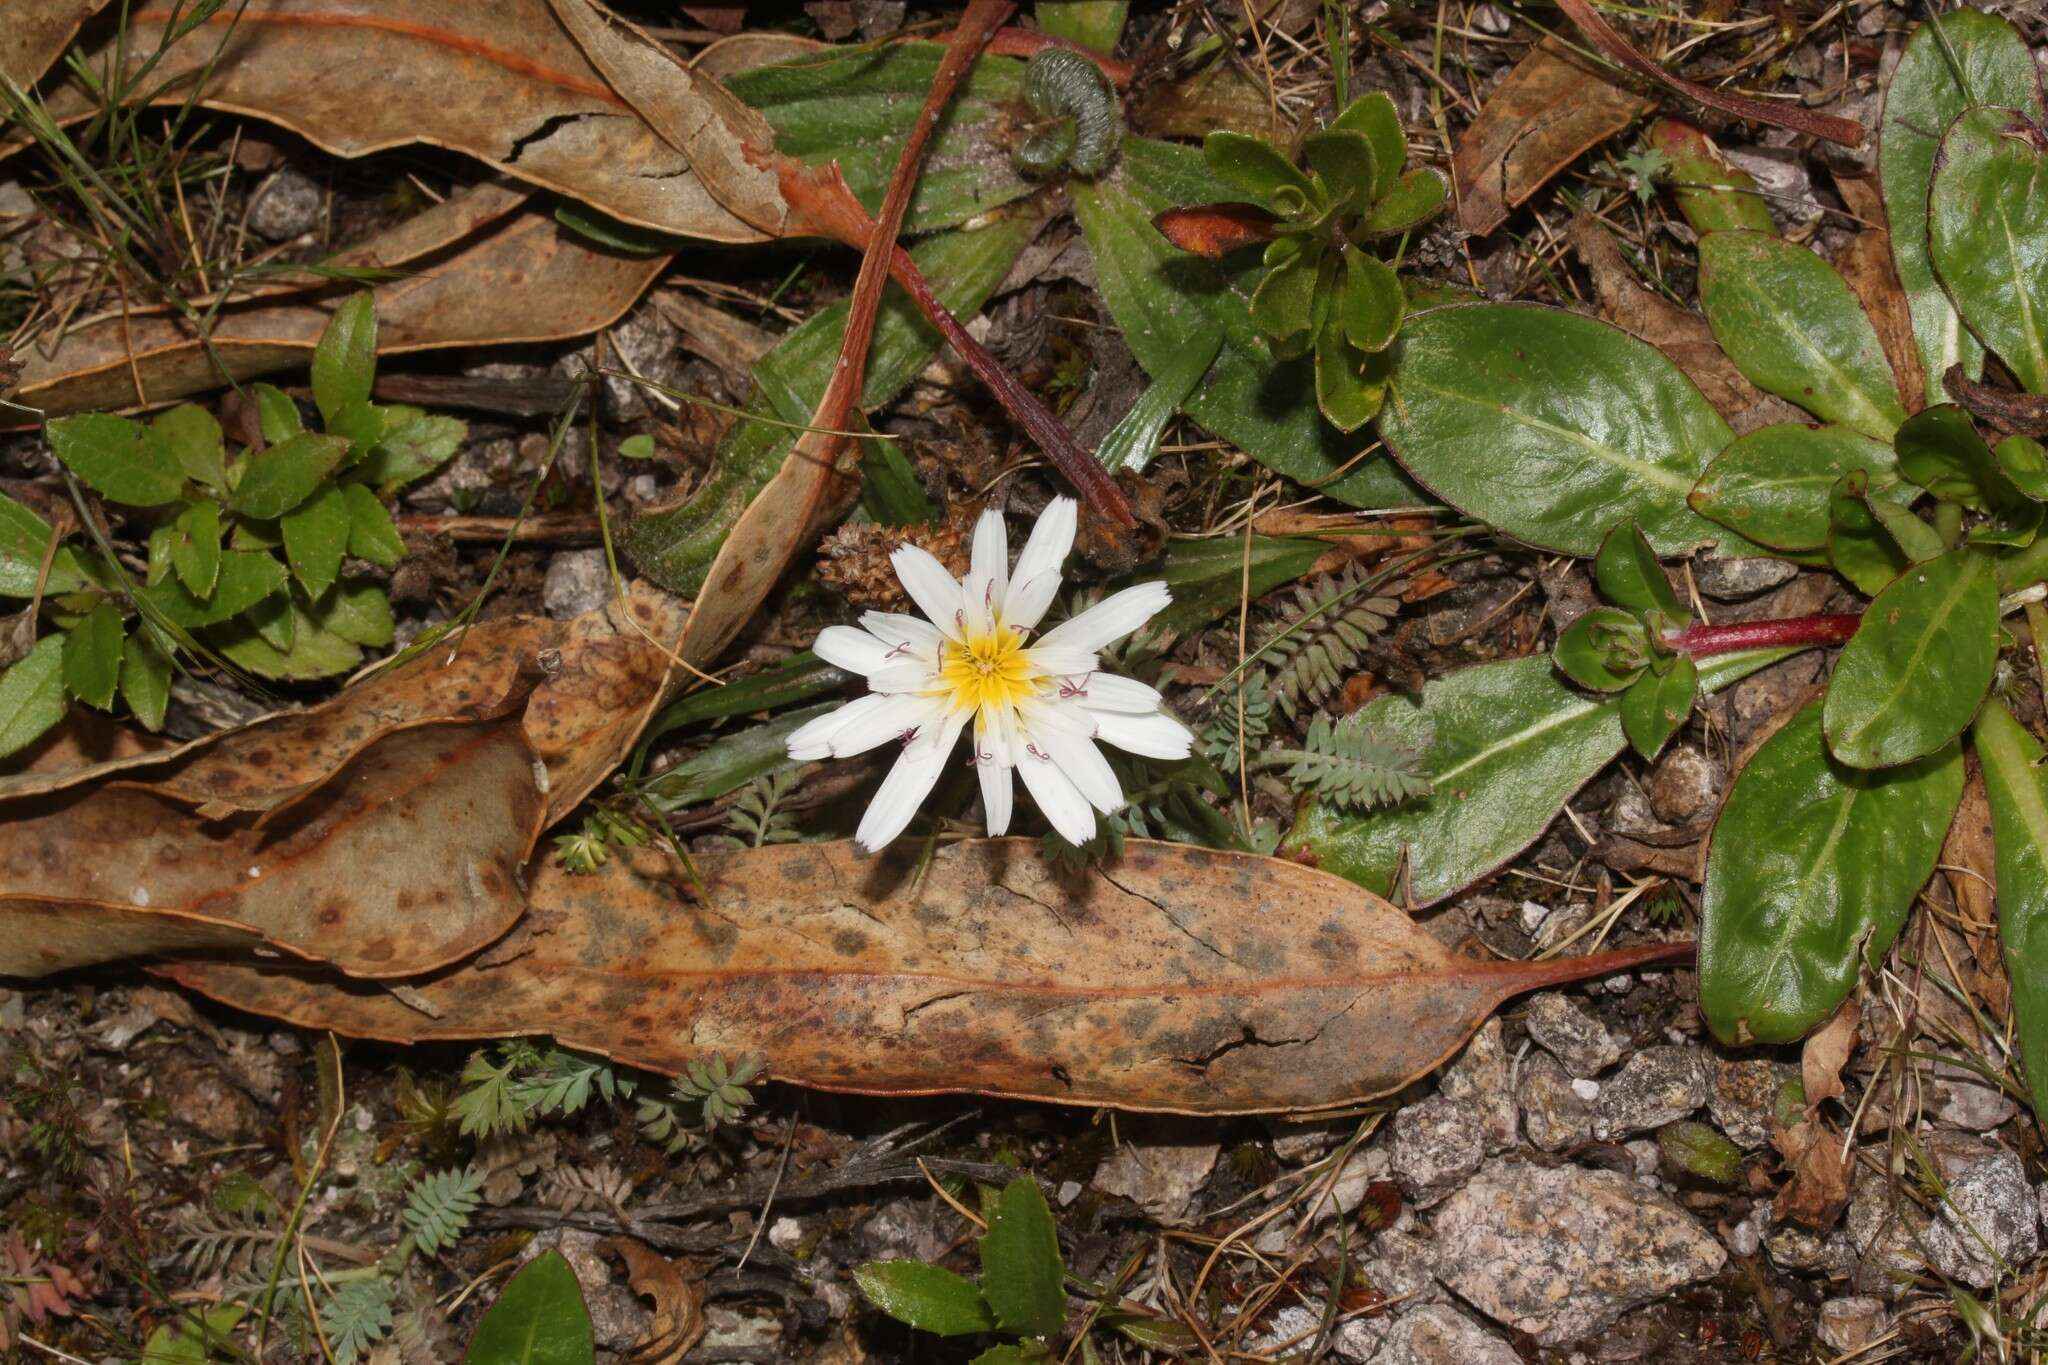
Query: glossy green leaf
x=1344, y=160
x=280, y=478
x=890, y=490
x=1371, y=304
x=275, y=620
x=1713, y=195
x=276, y=413
x=730, y=762
x=2024, y=462
x=371, y=533
x=1257, y=170
x=1161, y=296
x=1813, y=866
x=1551, y=426
x=1416, y=197
x=1023, y=1278
x=363, y=422
x=1350, y=383
x=246, y=577
x=2014, y=781
x=674, y=546
x=1951, y=62
x=145, y=680
x=1134, y=440
x=1506, y=744
x=32, y=695
x=193, y=440
x=195, y=548
x=24, y=539
x=313, y=652
x=1628, y=574
x=1910, y=679
x=1373, y=116
x=1987, y=221
x=1939, y=449
x=92, y=656
x=1860, y=547
x=1603, y=649
x=1093, y=24
x=855, y=105
x=1774, y=484
x=414, y=445
x=316, y=535
x=801, y=677
x=927, y=1297
x=345, y=358
x=357, y=611
x=1211, y=578
x=115, y=458
x=1656, y=704
x=1012, y=1353
x=538, y=1319
x=1795, y=329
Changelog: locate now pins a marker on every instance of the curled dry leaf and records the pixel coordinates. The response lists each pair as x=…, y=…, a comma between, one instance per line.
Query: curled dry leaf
x=1826, y=1052
x=408, y=859
x=1552, y=107
x=505, y=83
x=525, y=280
x=1179, y=978
x=678, y=1322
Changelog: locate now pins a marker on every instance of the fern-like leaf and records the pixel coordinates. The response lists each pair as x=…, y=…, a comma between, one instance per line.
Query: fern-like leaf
x=1353, y=764
x=1220, y=735
x=355, y=1318
x=757, y=818
x=438, y=1207
x=563, y=1082
x=492, y=1100
x=1322, y=633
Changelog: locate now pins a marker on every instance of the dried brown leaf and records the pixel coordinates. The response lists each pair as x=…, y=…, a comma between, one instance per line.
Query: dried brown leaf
x=1179, y=978
x=1866, y=263
x=1826, y=1052
x=678, y=1322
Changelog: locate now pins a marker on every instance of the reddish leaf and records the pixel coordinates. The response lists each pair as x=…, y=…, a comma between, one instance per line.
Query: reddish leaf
x=1214, y=230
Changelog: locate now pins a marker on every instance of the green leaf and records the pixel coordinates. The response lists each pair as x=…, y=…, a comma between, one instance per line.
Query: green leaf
x=357, y=611
x=313, y=652
x=1508, y=743
x=1093, y=24
x=1207, y=578
x=1775, y=484
x=195, y=548
x=1551, y=426
x=1350, y=384
x=2024, y=463
x=1911, y=677
x=1656, y=704
x=191, y=1339
x=856, y=105
x=278, y=479
x=414, y=445
x=1256, y=169
x=24, y=537
x=1713, y=195
x=246, y=577
x=32, y=695
x=798, y=678
x=145, y=680
x=1344, y=160
x=1812, y=863
x=1373, y=116
x=1987, y=225
x=1284, y=303
x=276, y=413
x=1417, y=197
x=316, y=536
x=1371, y=304
x=1950, y=63
x=730, y=762
x=363, y=422
x=116, y=459
x=927, y=1297
x=1160, y=296
x=1010, y=1353
x=1134, y=440
x=1795, y=329
x=1628, y=574
x=2013, y=780
x=275, y=621
x=371, y=533
x=1940, y=450
x=538, y=1319
x=1604, y=649
x=193, y=439
x=92, y=656
x=345, y=360
x=1023, y=1278
x=674, y=546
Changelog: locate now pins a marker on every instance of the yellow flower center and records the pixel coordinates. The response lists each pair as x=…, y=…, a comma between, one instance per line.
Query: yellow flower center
x=988, y=670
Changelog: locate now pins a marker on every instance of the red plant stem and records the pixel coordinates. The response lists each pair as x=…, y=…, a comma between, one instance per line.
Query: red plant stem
x=1802, y=631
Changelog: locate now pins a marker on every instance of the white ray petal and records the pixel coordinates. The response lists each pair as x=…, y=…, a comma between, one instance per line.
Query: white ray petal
x=937, y=593
x=1036, y=579
x=1110, y=619
x=905, y=675
x=849, y=648
x=915, y=772
x=1075, y=753
x=988, y=573
x=1156, y=735
x=1108, y=692
x=875, y=720
x=907, y=636
x=1065, y=808
x=1060, y=662
x=998, y=796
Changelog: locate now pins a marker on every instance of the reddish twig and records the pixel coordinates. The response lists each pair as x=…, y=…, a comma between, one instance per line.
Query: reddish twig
x=1805, y=632
x=1617, y=49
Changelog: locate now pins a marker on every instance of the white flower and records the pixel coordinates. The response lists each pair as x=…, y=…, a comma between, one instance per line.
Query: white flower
x=1037, y=708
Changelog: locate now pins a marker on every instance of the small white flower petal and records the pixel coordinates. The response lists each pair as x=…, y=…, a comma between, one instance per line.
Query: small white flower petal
x=1110, y=619
x=1058, y=662
x=904, y=675
x=892, y=717
x=1036, y=579
x=907, y=636
x=1077, y=757
x=909, y=781
x=1156, y=735
x=1066, y=810
x=854, y=650
x=813, y=739
x=1108, y=692
x=998, y=796
x=937, y=593
x=995, y=735
x=988, y=573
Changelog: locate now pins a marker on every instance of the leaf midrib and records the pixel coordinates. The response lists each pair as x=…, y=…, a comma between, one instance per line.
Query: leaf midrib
x=1646, y=470
x=1936, y=623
